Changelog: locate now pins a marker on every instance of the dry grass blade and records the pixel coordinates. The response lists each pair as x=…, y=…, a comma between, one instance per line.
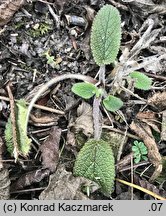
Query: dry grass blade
x=144, y=132
x=141, y=189
x=151, y=187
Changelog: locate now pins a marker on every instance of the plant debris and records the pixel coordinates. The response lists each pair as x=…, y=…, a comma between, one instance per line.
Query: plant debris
x=50, y=149
x=63, y=186
x=4, y=184
x=144, y=132
x=47, y=45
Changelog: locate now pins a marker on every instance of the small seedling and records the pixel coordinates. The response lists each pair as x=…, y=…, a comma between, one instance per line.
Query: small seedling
x=96, y=160
x=140, y=151
x=40, y=29
x=51, y=59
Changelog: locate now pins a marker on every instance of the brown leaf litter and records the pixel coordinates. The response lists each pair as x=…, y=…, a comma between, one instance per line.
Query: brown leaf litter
x=158, y=100
x=4, y=184
x=144, y=132
x=8, y=8
x=50, y=149
x=29, y=178
x=84, y=120
x=64, y=186
x=150, y=118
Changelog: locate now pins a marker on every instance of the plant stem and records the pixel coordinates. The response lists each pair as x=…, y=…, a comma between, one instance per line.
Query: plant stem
x=97, y=118
x=102, y=75
x=53, y=82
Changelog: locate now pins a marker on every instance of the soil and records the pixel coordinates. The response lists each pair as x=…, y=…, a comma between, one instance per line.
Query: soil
x=40, y=40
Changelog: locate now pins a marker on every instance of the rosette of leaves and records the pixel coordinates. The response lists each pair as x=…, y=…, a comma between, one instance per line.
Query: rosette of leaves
x=22, y=139
x=106, y=35
x=140, y=151
x=95, y=161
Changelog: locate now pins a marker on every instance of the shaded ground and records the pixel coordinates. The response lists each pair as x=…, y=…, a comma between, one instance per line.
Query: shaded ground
x=44, y=40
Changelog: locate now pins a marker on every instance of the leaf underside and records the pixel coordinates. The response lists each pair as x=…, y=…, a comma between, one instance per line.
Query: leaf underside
x=142, y=81
x=95, y=161
x=23, y=140
x=112, y=103
x=84, y=90
x=106, y=35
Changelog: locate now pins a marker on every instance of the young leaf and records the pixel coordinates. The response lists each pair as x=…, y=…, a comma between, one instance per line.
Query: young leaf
x=106, y=35
x=142, y=81
x=112, y=103
x=95, y=161
x=84, y=90
x=23, y=140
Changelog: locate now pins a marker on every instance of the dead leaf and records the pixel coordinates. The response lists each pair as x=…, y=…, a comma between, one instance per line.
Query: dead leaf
x=150, y=119
x=145, y=184
x=115, y=140
x=144, y=7
x=50, y=149
x=29, y=178
x=163, y=127
x=8, y=8
x=4, y=184
x=70, y=140
x=144, y=132
x=158, y=100
x=44, y=119
x=84, y=121
x=64, y=186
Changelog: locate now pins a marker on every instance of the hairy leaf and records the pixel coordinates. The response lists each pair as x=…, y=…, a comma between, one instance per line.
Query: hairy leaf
x=112, y=103
x=141, y=80
x=23, y=140
x=95, y=161
x=106, y=35
x=84, y=90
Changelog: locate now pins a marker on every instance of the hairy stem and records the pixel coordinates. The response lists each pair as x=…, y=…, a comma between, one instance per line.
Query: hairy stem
x=97, y=118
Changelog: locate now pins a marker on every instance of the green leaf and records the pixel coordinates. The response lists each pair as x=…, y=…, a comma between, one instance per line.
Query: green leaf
x=135, y=149
x=137, y=160
x=136, y=143
x=84, y=90
x=23, y=141
x=144, y=158
x=95, y=161
x=112, y=103
x=142, y=81
x=106, y=35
